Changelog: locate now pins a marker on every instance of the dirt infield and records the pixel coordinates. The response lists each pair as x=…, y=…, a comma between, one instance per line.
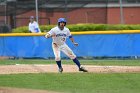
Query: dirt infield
x=18, y=68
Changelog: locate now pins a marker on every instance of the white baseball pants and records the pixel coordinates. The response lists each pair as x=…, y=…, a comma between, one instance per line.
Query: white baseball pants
x=65, y=49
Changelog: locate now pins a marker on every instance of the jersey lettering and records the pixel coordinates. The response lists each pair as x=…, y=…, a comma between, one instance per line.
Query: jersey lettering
x=61, y=34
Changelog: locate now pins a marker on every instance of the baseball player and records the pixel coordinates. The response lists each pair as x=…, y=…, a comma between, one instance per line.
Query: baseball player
x=59, y=35
x=33, y=26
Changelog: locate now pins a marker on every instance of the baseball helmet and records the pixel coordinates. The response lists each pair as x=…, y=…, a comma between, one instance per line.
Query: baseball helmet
x=62, y=20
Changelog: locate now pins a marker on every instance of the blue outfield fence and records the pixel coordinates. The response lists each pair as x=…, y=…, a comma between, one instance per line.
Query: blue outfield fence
x=89, y=45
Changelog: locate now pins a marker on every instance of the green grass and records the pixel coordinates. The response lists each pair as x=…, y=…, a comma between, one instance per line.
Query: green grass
x=75, y=82
x=26, y=61
x=84, y=62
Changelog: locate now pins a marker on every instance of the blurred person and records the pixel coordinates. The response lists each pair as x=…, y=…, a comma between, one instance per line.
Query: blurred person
x=59, y=35
x=33, y=25
x=34, y=28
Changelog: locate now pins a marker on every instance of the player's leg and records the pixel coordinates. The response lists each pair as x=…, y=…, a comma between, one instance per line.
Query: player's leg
x=75, y=60
x=56, y=51
x=65, y=49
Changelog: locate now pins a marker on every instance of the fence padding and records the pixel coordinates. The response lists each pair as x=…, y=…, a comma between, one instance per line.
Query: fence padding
x=89, y=45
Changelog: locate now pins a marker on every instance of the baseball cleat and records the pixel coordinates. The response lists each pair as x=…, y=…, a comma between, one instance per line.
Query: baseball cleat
x=60, y=70
x=82, y=69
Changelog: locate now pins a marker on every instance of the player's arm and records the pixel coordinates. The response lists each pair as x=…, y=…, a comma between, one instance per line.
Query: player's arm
x=50, y=34
x=29, y=28
x=72, y=40
x=37, y=30
x=47, y=35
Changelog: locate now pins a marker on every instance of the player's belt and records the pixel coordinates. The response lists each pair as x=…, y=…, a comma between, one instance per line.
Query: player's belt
x=55, y=44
